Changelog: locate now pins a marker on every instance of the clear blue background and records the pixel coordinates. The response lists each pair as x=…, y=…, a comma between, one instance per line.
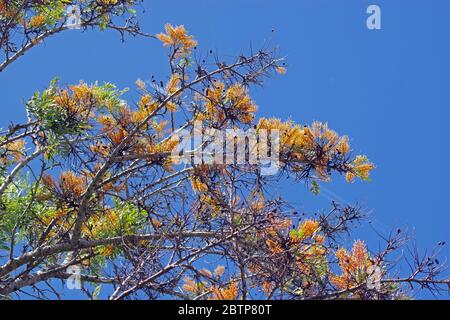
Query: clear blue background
x=388, y=89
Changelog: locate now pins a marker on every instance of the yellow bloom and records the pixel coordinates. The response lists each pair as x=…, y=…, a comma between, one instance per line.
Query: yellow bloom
x=361, y=167
x=117, y=136
x=71, y=183
x=147, y=104
x=241, y=104
x=63, y=99
x=319, y=239
x=219, y=271
x=108, y=2
x=345, y=260
x=229, y=293
x=207, y=201
x=363, y=170
x=107, y=122
x=49, y=182
x=359, y=253
x=341, y=282
x=350, y=176
x=101, y=149
x=343, y=146
x=107, y=251
x=197, y=184
x=138, y=116
x=140, y=84
x=171, y=106
x=353, y=266
x=274, y=246
x=190, y=285
x=206, y=273
x=308, y=228
x=82, y=92
x=159, y=127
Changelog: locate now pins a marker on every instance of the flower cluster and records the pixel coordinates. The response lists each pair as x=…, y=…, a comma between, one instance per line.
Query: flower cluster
x=72, y=184
x=37, y=21
x=316, y=147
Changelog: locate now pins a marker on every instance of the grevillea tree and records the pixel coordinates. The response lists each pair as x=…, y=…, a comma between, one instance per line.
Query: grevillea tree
x=91, y=181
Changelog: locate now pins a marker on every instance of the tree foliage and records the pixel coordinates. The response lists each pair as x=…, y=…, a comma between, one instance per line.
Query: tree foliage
x=91, y=180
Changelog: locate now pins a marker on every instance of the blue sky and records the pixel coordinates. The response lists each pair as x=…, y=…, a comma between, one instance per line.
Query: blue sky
x=387, y=89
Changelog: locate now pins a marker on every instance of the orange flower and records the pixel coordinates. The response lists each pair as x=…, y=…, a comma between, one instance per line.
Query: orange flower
x=241, y=103
x=71, y=183
x=117, y=136
x=159, y=127
x=308, y=228
x=341, y=282
x=219, y=271
x=345, y=260
x=140, y=84
x=319, y=239
x=190, y=285
x=107, y=122
x=138, y=116
x=37, y=21
x=206, y=273
x=171, y=106
x=363, y=170
x=267, y=287
x=343, y=146
x=177, y=36
x=229, y=293
x=197, y=184
x=274, y=246
x=359, y=253
x=107, y=251
x=49, y=182
x=362, y=167
x=145, y=101
x=16, y=149
x=281, y=70
x=3, y=7
x=213, y=101
x=172, y=84
x=350, y=176
x=355, y=266
x=101, y=149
